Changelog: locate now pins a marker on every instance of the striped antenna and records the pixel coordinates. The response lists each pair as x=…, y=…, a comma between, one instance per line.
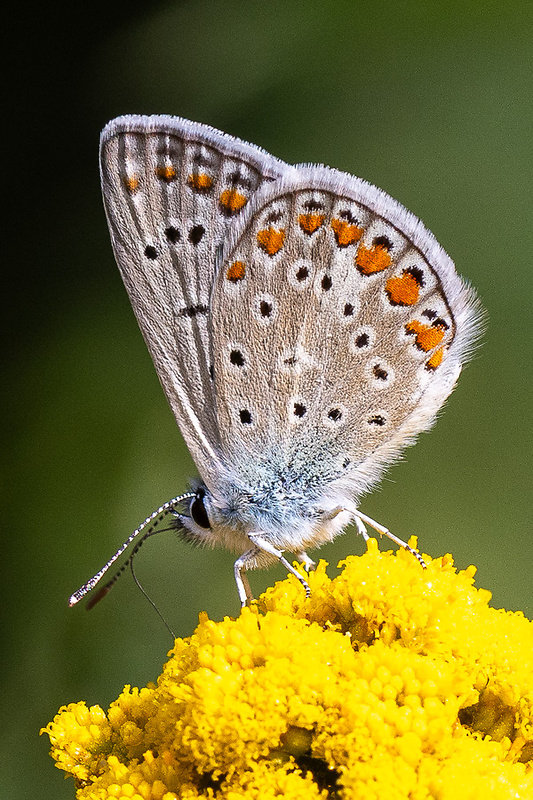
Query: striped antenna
x=154, y=519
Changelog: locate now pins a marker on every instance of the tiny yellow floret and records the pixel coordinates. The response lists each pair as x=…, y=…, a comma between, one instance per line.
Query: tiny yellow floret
x=389, y=681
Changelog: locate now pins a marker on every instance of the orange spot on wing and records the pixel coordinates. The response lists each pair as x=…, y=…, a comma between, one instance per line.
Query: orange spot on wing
x=231, y=200
x=309, y=223
x=166, y=174
x=236, y=271
x=346, y=234
x=436, y=359
x=426, y=336
x=271, y=240
x=200, y=182
x=372, y=259
x=403, y=290
x=132, y=183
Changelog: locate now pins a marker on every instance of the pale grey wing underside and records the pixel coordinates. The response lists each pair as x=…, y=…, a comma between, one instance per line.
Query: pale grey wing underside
x=172, y=191
x=339, y=328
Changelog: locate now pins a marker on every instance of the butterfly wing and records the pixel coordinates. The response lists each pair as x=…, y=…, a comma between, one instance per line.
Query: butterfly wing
x=172, y=191
x=339, y=329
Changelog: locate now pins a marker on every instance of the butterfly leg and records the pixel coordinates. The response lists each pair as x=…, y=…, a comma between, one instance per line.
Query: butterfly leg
x=303, y=558
x=266, y=547
x=352, y=510
x=361, y=528
x=361, y=518
x=241, y=578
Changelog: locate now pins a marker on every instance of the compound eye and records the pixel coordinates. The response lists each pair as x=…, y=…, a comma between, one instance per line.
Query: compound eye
x=198, y=512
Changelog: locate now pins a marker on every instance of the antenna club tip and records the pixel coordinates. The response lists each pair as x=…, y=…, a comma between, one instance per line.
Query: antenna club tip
x=73, y=599
x=99, y=595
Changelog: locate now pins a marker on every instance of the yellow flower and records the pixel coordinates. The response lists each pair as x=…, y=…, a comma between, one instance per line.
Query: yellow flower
x=388, y=682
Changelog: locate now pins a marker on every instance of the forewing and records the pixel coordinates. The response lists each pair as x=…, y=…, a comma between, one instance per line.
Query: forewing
x=340, y=326
x=172, y=191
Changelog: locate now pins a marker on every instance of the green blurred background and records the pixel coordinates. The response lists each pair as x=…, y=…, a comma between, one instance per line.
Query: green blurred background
x=430, y=101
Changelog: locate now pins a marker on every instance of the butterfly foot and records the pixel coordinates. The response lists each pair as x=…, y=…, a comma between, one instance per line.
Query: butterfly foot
x=267, y=547
x=241, y=579
x=361, y=518
x=303, y=558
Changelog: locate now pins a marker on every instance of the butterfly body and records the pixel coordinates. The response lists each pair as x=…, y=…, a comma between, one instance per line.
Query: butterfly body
x=290, y=508
x=304, y=326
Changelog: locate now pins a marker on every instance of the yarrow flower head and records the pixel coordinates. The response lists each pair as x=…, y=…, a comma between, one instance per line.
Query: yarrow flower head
x=388, y=682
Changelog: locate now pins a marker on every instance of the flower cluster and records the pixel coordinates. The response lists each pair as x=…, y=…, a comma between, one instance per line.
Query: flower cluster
x=389, y=681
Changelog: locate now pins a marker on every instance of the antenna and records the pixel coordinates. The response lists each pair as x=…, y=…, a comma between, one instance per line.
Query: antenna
x=154, y=519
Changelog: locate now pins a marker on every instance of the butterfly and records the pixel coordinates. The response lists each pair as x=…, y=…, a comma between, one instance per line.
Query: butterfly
x=305, y=327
